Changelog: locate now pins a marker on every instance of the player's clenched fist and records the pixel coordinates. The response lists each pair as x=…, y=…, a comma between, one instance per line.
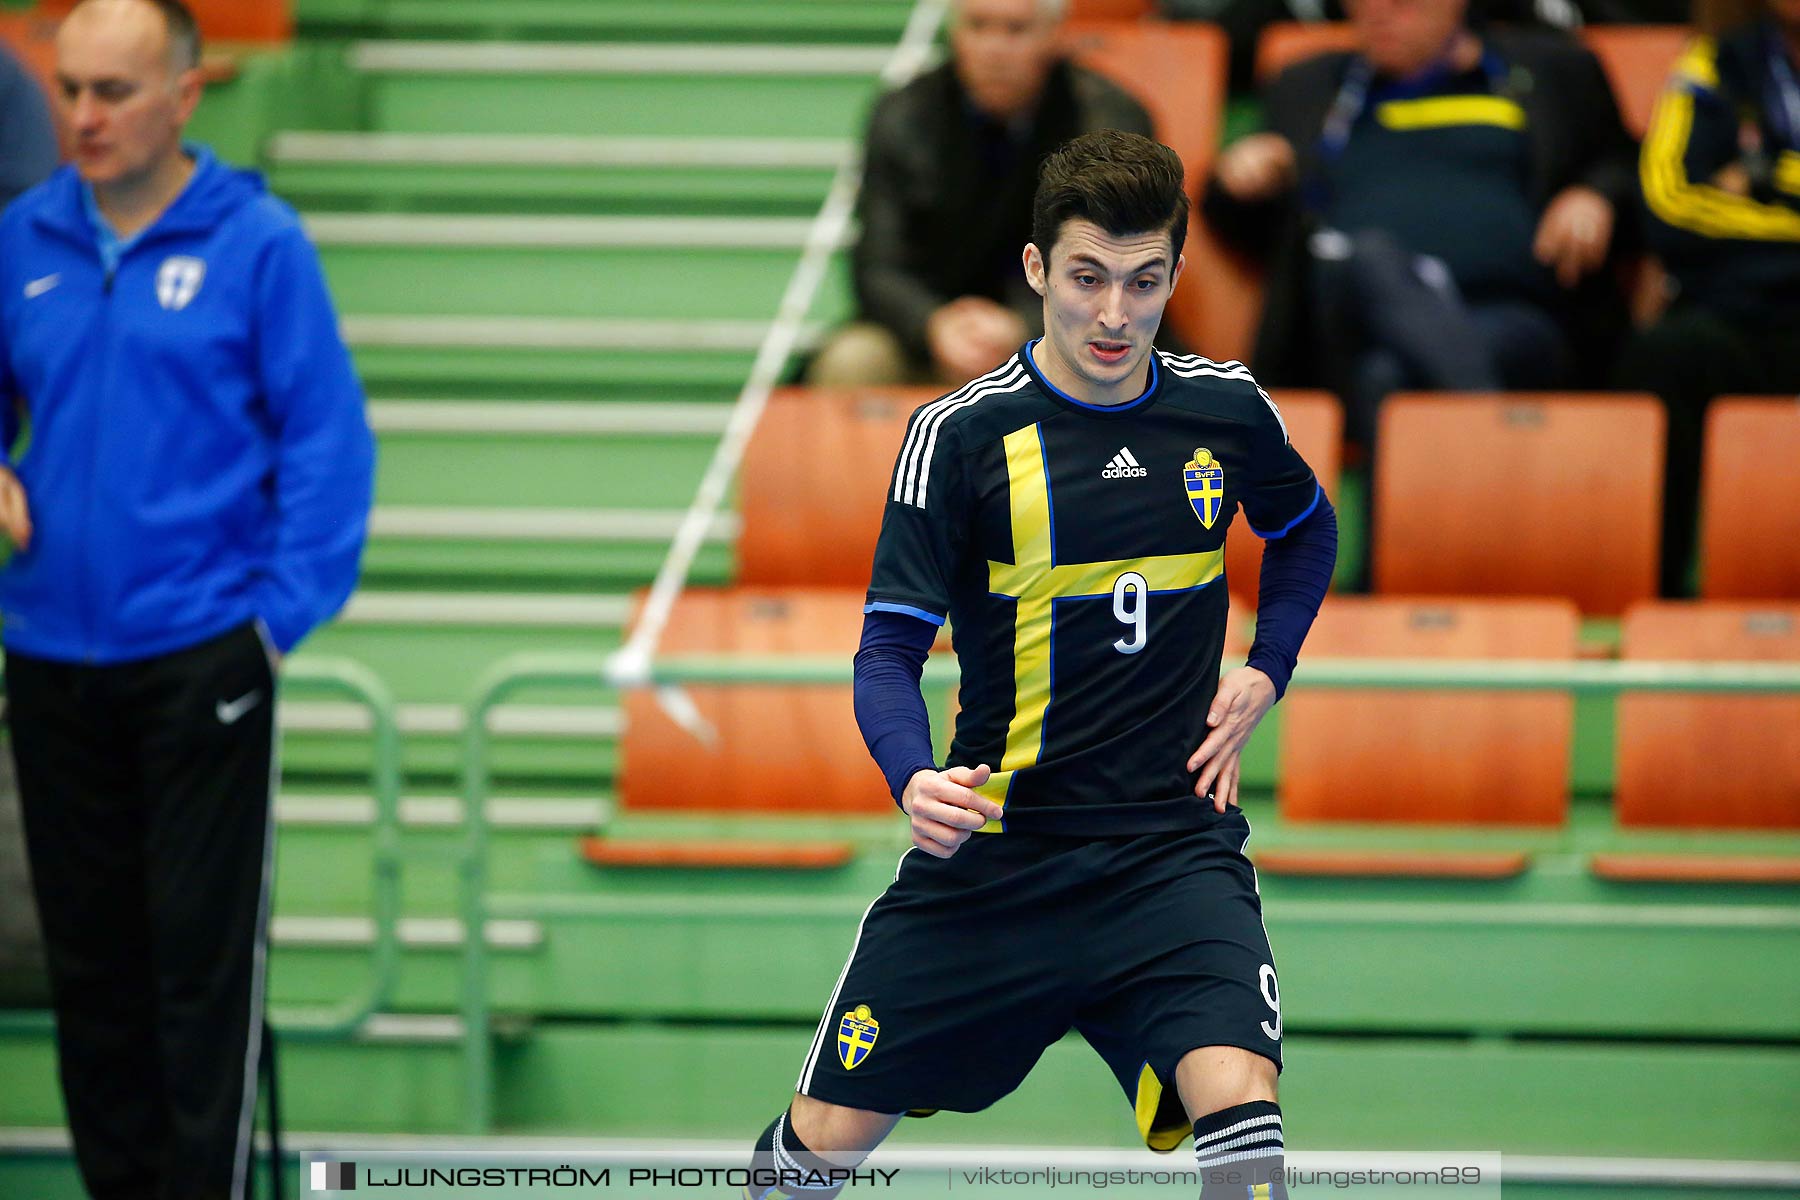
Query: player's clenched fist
x=945, y=809
x=15, y=513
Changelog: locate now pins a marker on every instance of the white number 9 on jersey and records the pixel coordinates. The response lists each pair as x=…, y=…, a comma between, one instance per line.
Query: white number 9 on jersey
x=1131, y=604
x=1271, y=993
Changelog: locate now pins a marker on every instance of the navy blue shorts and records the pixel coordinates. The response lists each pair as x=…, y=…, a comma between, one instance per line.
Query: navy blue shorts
x=966, y=968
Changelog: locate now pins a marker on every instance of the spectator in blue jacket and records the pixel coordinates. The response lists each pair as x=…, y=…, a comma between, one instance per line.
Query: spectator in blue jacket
x=27, y=137
x=190, y=501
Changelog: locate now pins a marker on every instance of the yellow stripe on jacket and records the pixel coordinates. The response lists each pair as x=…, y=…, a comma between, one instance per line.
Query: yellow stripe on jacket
x=1662, y=166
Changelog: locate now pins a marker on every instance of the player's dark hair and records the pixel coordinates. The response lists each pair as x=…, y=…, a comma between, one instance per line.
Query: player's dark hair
x=1123, y=182
x=184, y=32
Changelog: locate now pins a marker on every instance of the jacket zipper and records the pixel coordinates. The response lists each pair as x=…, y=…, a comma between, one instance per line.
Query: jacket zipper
x=84, y=536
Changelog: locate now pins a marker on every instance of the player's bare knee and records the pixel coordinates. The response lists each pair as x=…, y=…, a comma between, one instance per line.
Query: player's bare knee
x=1211, y=1078
x=844, y=1136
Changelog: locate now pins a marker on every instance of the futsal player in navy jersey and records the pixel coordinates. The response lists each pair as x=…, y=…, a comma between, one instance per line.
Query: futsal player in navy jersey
x=1079, y=862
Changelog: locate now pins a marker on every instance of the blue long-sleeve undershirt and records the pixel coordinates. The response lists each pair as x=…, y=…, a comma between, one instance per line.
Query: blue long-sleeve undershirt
x=889, y=709
x=1296, y=571
x=891, y=713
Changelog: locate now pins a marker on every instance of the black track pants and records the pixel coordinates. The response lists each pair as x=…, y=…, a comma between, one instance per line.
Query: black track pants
x=146, y=789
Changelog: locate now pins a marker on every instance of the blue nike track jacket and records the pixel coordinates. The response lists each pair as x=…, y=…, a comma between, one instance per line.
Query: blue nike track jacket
x=198, y=452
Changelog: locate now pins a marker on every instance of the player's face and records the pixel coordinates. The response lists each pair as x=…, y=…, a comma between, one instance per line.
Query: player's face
x=1399, y=37
x=117, y=84
x=1103, y=301
x=1003, y=50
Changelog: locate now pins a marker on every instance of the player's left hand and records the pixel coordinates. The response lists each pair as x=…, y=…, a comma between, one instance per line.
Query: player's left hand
x=1574, y=234
x=1245, y=696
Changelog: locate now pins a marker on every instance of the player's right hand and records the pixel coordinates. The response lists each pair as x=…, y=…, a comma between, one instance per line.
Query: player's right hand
x=15, y=513
x=945, y=809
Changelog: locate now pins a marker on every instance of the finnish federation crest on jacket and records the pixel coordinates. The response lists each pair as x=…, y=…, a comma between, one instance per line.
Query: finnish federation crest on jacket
x=1205, y=480
x=178, y=281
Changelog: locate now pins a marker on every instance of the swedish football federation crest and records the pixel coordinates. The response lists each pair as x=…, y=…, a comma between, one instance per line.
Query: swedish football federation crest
x=857, y=1032
x=1204, y=477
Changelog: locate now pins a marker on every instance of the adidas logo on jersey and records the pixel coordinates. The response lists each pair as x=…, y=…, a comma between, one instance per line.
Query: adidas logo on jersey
x=1123, y=466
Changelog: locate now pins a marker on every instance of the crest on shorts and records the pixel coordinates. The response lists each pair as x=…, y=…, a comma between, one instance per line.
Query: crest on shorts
x=1204, y=478
x=857, y=1031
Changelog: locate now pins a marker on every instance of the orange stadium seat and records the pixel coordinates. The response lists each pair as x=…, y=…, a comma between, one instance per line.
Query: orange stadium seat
x=1430, y=757
x=810, y=518
x=770, y=749
x=1177, y=71
x=1218, y=300
x=1111, y=10
x=223, y=20
x=32, y=39
x=1637, y=60
x=1316, y=426
x=1287, y=42
x=765, y=749
x=1750, y=502
x=1709, y=761
x=1519, y=495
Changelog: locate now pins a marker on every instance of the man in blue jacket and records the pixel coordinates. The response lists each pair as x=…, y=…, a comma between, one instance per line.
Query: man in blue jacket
x=191, y=499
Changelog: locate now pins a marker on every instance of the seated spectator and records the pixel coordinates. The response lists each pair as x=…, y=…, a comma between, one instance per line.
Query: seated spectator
x=1435, y=209
x=951, y=163
x=1720, y=171
x=1245, y=20
x=28, y=150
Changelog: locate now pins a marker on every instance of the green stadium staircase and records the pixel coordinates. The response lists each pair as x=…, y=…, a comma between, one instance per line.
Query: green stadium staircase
x=557, y=231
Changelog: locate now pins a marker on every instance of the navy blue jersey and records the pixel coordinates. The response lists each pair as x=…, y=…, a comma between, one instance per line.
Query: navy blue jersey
x=1078, y=553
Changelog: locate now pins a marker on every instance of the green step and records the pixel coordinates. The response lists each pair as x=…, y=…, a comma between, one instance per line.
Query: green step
x=604, y=566
x=1515, y=956
x=618, y=89
x=1472, y=978
x=439, y=662
x=432, y=648
x=579, y=174
x=589, y=357
x=636, y=1082
x=726, y=20
x=588, y=495
x=635, y=269
x=439, y=758
x=555, y=455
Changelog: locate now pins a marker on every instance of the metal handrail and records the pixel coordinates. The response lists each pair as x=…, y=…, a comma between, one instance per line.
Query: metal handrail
x=1399, y=674
x=539, y=670
x=345, y=678
x=350, y=679
x=502, y=680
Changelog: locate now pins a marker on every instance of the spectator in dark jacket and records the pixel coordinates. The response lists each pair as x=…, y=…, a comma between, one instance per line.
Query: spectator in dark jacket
x=1436, y=211
x=27, y=137
x=1720, y=172
x=950, y=166
x=1245, y=20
